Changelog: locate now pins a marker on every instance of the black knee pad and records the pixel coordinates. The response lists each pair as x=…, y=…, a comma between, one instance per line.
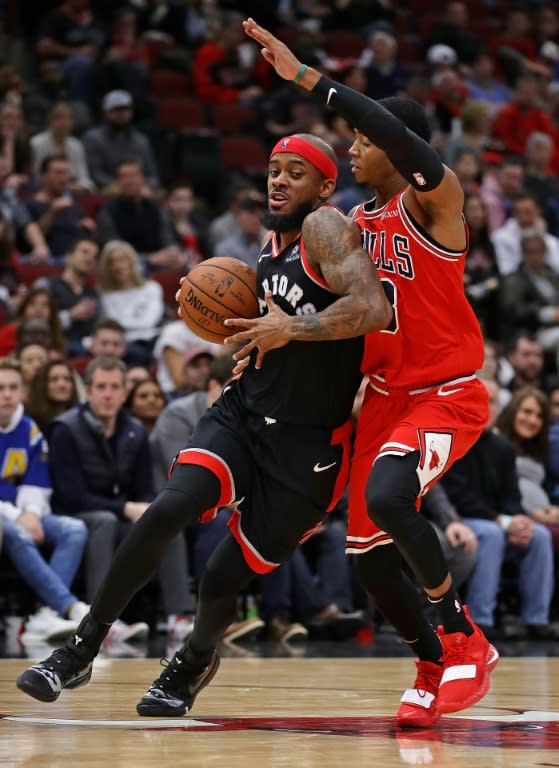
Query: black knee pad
x=392, y=491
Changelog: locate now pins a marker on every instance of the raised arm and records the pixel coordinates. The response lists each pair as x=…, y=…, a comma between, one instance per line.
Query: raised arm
x=333, y=247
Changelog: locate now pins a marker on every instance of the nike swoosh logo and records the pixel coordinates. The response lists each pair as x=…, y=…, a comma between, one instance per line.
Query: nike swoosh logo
x=448, y=391
x=318, y=468
x=330, y=92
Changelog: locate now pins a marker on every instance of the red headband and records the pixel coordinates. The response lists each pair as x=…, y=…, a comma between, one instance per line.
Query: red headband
x=315, y=156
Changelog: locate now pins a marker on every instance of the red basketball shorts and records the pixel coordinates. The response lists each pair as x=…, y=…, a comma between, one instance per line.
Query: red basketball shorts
x=442, y=423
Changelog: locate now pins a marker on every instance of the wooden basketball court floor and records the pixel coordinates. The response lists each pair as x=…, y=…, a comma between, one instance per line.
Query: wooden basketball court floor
x=299, y=712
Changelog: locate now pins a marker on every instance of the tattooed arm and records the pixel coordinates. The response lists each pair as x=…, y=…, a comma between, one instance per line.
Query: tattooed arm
x=333, y=247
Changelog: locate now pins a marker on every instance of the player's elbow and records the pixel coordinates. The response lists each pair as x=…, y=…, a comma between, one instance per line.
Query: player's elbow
x=378, y=317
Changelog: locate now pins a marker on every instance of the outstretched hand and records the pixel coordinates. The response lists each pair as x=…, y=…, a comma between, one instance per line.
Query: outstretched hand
x=264, y=333
x=274, y=51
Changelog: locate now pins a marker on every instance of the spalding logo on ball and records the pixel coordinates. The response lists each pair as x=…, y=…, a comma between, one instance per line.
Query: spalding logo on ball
x=214, y=290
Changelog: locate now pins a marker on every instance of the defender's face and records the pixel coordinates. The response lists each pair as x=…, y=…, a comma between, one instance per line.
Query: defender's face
x=292, y=182
x=369, y=164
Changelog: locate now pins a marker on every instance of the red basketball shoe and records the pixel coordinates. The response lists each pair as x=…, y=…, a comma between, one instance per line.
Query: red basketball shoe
x=468, y=661
x=418, y=705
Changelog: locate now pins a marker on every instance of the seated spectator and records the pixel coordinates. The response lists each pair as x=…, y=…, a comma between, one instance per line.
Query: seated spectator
x=132, y=216
x=52, y=392
x=481, y=274
x=474, y=133
x=502, y=184
x=515, y=47
x=173, y=343
x=107, y=146
x=126, y=296
x=10, y=285
x=107, y=340
x=219, y=72
x=530, y=295
x=72, y=34
x=247, y=243
x=449, y=95
x=454, y=30
x=58, y=140
x=54, y=209
x=225, y=225
x=76, y=298
x=526, y=218
x=525, y=358
x=37, y=304
x=386, y=76
x=32, y=357
x=467, y=168
x=189, y=226
x=489, y=503
x=525, y=422
x=49, y=89
x=521, y=117
x=484, y=86
x=135, y=374
x=25, y=489
x=197, y=363
x=287, y=110
x=543, y=185
x=145, y=401
x=101, y=473
x=16, y=146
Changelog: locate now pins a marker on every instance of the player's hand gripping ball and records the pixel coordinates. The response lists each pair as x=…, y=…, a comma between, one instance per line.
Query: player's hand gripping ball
x=215, y=290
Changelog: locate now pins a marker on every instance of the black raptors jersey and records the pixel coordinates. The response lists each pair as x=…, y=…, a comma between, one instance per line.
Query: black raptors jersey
x=305, y=382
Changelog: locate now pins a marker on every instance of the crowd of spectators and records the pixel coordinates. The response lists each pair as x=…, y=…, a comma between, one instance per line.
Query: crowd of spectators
x=133, y=145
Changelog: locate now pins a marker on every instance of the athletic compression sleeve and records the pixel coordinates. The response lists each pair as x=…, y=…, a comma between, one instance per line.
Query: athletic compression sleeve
x=413, y=157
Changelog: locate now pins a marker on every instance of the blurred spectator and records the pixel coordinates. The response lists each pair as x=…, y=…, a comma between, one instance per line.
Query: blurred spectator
x=52, y=392
x=287, y=110
x=16, y=146
x=467, y=168
x=521, y=116
x=9, y=280
x=484, y=86
x=449, y=96
x=530, y=295
x=31, y=358
x=110, y=145
x=500, y=186
x=515, y=47
x=101, y=472
x=55, y=210
x=137, y=219
x=483, y=486
x=546, y=24
x=537, y=179
x=474, y=132
x=15, y=212
x=126, y=296
x=72, y=34
x=145, y=401
x=554, y=410
x=385, y=75
x=226, y=224
x=454, y=30
x=57, y=140
x=48, y=90
x=247, y=243
x=37, y=304
x=227, y=69
x=75, y=296
x=135, y=374
x=25, y=490
x=162, y=20
x=481, y=273
x=12, y=85
x=188, y=225
x=107, y=340
x=525, y=220
x=524, y=353
x=125, y=62
x=171, y=346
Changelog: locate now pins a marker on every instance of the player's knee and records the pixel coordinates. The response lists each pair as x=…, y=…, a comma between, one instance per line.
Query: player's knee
x=378, y=565
x=392, y=492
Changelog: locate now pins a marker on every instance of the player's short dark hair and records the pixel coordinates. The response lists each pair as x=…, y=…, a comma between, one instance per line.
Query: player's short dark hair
x=47, y=161
x=103, y=363
x=410, y=112
x=108, y=324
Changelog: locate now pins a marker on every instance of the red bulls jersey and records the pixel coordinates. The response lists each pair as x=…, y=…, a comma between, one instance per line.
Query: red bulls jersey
x=434, y=336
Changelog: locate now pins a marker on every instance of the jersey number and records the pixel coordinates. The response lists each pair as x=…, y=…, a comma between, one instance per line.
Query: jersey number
x=392, y=296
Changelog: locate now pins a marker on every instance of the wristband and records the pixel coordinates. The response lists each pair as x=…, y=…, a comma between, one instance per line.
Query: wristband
x=299, y=76
x=505, y=521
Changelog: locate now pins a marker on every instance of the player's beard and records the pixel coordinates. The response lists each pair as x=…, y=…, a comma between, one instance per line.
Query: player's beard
x=288, y=222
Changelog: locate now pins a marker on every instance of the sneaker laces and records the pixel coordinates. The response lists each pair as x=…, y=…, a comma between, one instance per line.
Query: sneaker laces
x=62, y=656
x=428, y=677
x=175, y=674
x=455, y=649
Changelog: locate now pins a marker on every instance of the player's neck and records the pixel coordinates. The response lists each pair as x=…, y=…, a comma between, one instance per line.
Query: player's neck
x=286, y=238
x=385, y=192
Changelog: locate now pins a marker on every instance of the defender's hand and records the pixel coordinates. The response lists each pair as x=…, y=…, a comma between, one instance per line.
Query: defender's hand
x=273, y=50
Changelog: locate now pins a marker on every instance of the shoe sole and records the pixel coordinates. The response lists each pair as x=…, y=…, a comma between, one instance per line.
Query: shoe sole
x=415, y=722
x=27, y=687
x=456, y=706
x=156, y=710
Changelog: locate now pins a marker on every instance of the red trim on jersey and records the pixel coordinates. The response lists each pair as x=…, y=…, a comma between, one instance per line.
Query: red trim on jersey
x=341, y=435
x=219, y=468
x=254, y=560
x=437, y=250
x=309, y=271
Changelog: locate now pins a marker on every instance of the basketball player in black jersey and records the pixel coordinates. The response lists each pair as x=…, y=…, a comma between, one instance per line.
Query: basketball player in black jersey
x=274, y=446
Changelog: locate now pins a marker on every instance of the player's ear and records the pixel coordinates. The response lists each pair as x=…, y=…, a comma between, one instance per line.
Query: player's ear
x=327, y=189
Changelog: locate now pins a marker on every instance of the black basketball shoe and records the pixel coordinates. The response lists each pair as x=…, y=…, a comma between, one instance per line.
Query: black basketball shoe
x=175, y=689
x=67, y=667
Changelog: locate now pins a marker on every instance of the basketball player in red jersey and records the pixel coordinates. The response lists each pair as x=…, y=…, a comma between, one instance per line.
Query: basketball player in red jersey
x=424, y=406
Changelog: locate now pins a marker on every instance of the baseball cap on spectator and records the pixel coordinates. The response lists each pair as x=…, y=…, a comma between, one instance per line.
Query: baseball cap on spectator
x=195, y=352
x=252, y=200
x=441, y=54
x=116, y=100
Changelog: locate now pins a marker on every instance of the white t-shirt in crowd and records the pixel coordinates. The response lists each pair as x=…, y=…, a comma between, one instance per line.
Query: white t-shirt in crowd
x=139, y=310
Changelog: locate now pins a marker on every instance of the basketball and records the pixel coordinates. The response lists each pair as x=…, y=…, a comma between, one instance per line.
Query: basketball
x=217, y=289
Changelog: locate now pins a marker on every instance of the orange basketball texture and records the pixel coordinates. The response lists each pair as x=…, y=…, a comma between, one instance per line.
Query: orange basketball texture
x=214, y=290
